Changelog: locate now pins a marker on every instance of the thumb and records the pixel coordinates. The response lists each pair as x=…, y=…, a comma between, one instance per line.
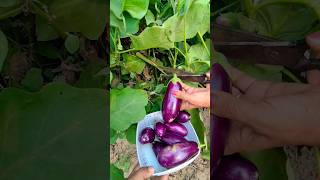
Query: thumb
x=228, y=106
x=142, y=173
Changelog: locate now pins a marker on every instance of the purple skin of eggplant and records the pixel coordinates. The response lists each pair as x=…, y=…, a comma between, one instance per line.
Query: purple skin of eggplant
x=157, y=146
x=219, y=126
x=183, y=117
x=160, y=129
x=147, y=136
x=177, y=128
x=176, y=154
x=236, y=168
x=170, y=104
x=170, y=138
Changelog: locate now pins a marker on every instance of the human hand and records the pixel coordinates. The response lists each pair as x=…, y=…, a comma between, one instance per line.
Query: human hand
x=194, y=97
x=265, y=114
x=145, y=173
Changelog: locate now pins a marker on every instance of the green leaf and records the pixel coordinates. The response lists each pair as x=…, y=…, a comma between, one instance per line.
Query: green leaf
x=149, y=17
x=45, y=32
x=72, y=43
x=33, y=80
x=132, y=26
x=115, y=173
x=127, y=106
x=197, y=19
x=116, y=6
x=60, y=127
x=89, y=78
x=198, y=125
x=263, y=72
x=137, y=8
x=87, y=17
x=131, y=134
x=7, y=3
x=113, y=136
x=3, y=48
x=152, y=37
x=199, y=58
x=133, y=63
x=271, y=163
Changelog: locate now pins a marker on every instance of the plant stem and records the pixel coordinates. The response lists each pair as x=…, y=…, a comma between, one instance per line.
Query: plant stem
x=11, y=13
x=204, y=44
x=180, y=52
x=125, y=51
x=139, y=55
x=224, y=8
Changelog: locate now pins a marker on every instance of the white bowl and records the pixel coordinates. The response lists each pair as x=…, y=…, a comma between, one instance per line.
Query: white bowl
x=145, y=153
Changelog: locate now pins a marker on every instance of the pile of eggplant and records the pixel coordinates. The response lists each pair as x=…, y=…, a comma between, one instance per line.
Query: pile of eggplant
x=173, y=148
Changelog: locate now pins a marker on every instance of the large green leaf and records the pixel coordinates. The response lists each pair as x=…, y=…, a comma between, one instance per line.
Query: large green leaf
x=197, y=19
x=33, y=80
x=59, y=131
x=137, y=8
x=271, y=163
x=87, y=17
x=131, y=134
x=133, y=63
x=115, y=173
x=116, y=6
x=152, y=37
x=127, y=106
x=3, y=48
x=198, y=125
x=45, y=32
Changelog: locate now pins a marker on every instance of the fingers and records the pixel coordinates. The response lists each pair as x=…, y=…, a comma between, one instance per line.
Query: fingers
x=199, y=99
x=142, y=173
x=187, y=106
x=232, y=107
x=239, y=79
x=313, y=77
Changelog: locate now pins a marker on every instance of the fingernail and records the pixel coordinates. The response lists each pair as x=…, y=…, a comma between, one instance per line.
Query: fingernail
x=175, y=93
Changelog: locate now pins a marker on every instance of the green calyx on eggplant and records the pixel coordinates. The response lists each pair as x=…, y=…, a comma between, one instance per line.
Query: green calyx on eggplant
x=170, y=104
x=219, y=126
x=176, y=154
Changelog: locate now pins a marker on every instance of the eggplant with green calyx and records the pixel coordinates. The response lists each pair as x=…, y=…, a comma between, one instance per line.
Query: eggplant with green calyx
x=219, y=126
x=147, y=136
x=183, y=117
x=170, y=104
x=157, y=146
x=176, y=154
x=176, y=128
x=170, y=138
x=160, y=129
x=234, y=167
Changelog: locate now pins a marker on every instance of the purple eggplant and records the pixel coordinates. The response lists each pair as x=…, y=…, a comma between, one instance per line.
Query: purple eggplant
x=170, y=104
x=236, y=168
x=171, y=138
x=176, y=154
x=177, y=128
x=160, y=129
x=183, y=117
x=219, y=126
x=157, y=146
x=147, y=136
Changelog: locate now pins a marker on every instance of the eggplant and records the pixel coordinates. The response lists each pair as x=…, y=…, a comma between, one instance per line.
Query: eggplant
x=160, y=129
x=219, y=126
x=236, y=168
x=183, y=117
x=176, y=154
x=177, y=128
x=171, y=138
x=170, y=104
x=147, y=136
x=157, y=146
